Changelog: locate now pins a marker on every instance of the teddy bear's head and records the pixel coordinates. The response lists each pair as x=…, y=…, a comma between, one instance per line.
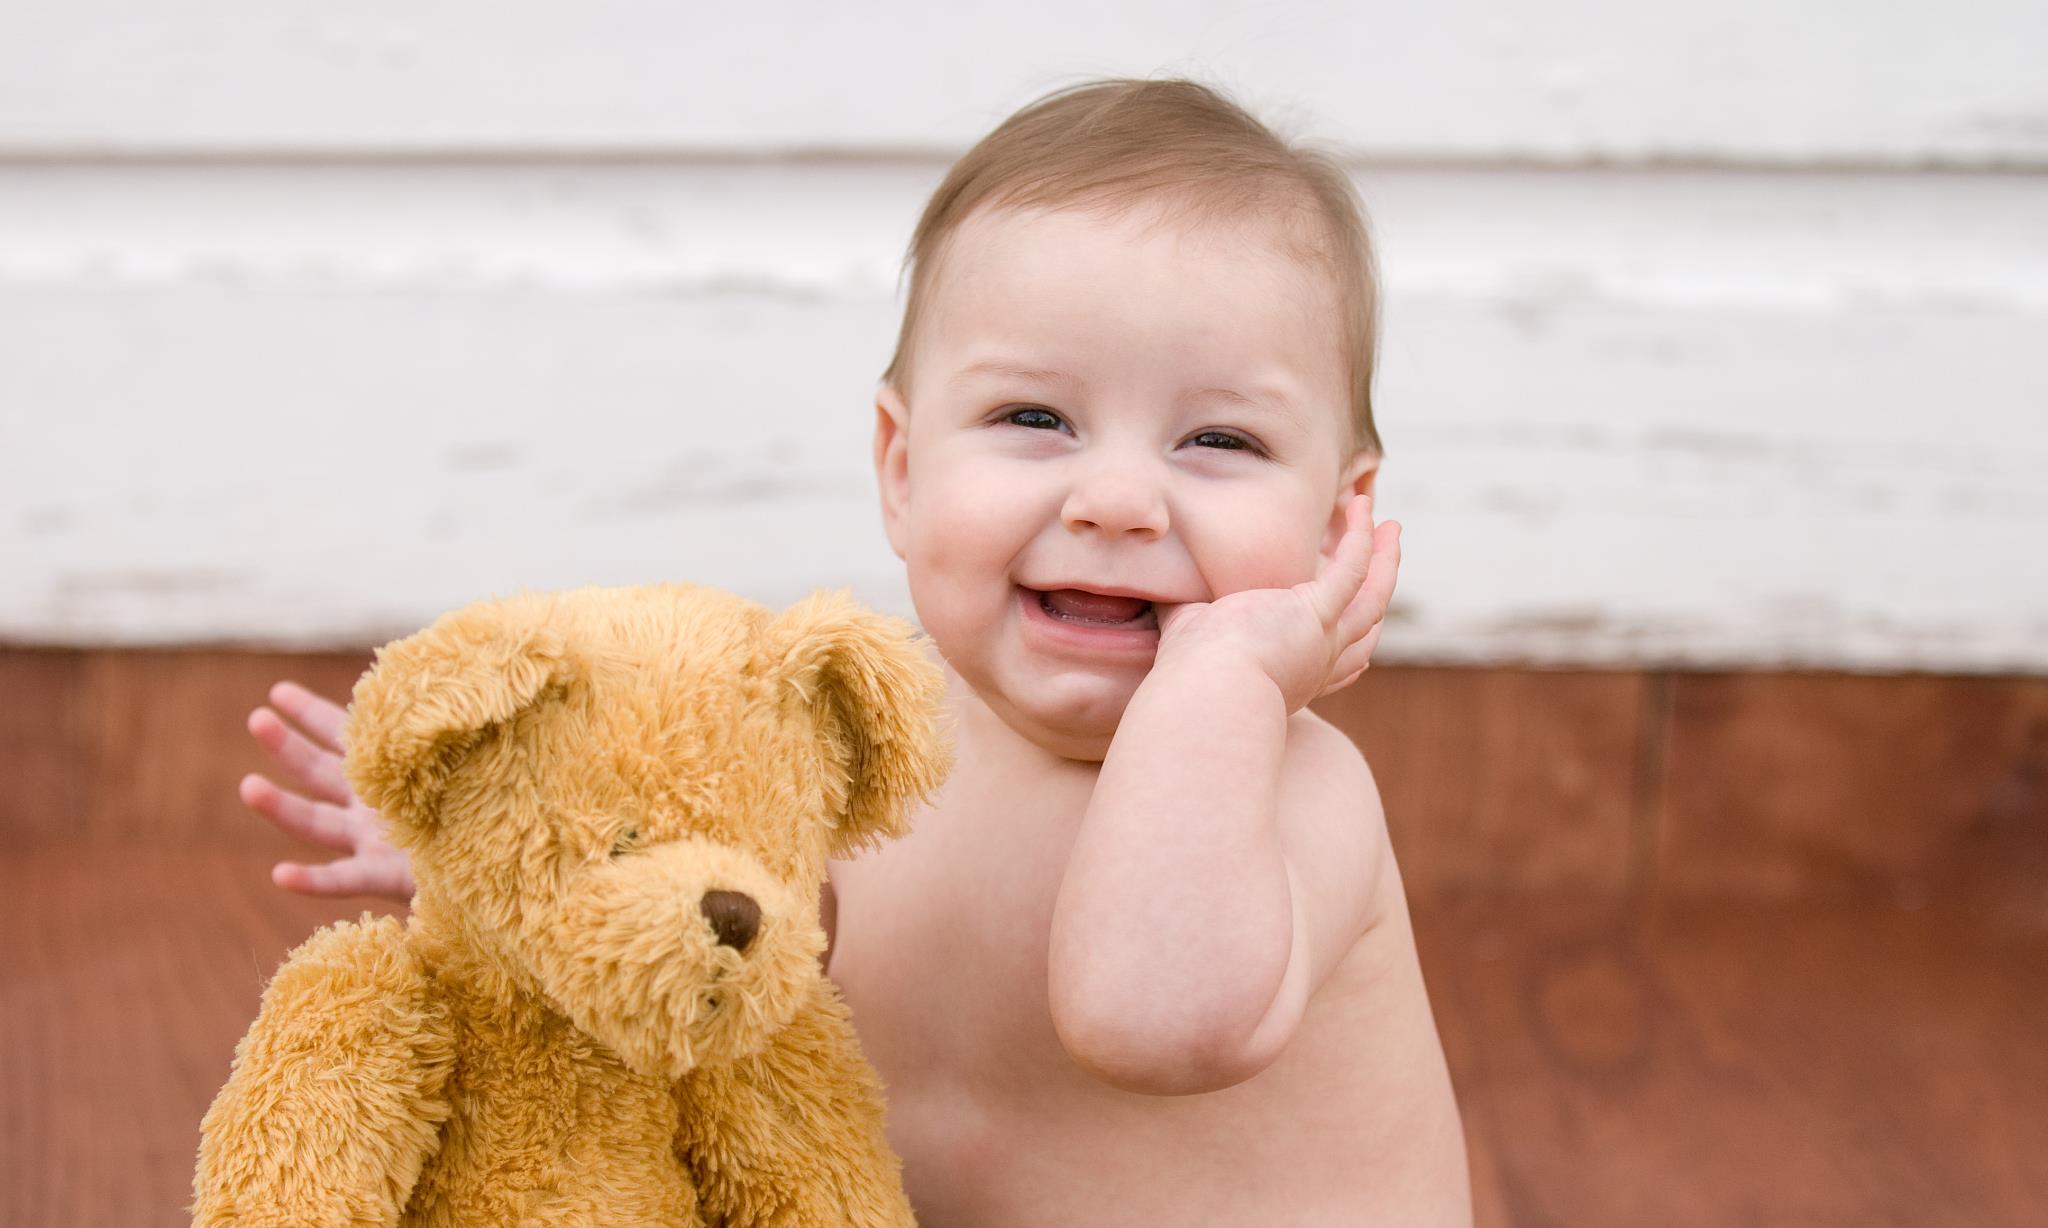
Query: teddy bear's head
x=622, y=800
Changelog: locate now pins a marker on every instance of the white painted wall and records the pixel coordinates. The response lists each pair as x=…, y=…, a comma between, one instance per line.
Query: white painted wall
x=1715, y=332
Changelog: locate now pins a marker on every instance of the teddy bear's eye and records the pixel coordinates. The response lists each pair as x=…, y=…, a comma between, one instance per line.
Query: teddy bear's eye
x=625, y=842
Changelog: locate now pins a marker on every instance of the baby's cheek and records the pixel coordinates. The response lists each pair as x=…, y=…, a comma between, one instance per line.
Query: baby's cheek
x=956, y=560
x=1277, y=555
x=954, y=550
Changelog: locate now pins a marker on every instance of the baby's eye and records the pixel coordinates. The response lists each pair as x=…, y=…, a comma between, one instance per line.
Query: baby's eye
x=1224, y=440
x=1034, y=417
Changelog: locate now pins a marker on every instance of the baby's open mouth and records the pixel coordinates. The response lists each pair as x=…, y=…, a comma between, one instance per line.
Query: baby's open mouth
x=1075, y=605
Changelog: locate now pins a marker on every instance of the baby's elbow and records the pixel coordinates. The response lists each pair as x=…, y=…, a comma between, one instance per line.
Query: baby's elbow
x=1157, y=1058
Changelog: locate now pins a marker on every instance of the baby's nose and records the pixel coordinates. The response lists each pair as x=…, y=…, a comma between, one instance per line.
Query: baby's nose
x=733, y=915
x=1115, y=501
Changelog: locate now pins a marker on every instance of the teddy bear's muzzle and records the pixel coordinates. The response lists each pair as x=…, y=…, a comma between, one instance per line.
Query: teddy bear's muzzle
x=686, y=953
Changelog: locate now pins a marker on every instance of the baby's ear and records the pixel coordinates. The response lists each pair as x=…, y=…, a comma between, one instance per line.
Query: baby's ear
x=892, y=462
x=1356, y=479
x=876, y=701
x=433, y=697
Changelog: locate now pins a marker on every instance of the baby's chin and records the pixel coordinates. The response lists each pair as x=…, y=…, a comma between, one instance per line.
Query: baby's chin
x=1083, y=745
x=1069, y=718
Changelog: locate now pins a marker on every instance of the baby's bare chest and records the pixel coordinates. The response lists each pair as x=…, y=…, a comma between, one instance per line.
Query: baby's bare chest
x=941, y=954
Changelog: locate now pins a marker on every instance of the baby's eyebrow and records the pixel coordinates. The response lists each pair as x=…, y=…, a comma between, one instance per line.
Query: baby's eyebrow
x=1271, y=401
x=1267, y=400
x=1013, y=371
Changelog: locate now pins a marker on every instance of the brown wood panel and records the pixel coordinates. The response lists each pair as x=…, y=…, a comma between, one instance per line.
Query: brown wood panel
x=1696, y=1063
x=1912, y=789
x=1714, y=1062
x=1503, y=778
x=1718, y=1053
x=170, y=742
x=1498, y=778
x=126, y=978
x=44, y=730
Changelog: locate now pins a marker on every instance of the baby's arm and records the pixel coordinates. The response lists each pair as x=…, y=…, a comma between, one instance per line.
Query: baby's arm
x=1230, y=849
x=328, y=813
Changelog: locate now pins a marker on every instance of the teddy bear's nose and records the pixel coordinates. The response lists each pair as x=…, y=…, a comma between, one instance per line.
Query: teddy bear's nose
x=733, y=914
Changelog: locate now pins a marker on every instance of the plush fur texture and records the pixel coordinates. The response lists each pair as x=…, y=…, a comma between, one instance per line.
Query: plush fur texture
x=580, y=1024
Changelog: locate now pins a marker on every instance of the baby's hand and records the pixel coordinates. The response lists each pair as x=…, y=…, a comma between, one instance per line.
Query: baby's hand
x=331, y=815
x=1311, y=639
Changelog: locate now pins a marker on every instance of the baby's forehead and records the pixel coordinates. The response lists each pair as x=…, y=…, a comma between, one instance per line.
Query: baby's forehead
x=1046, y=280
x=1006, y=265
x=1285, y=235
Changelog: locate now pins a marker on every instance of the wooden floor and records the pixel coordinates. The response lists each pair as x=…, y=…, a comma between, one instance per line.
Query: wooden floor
x=1704, y=949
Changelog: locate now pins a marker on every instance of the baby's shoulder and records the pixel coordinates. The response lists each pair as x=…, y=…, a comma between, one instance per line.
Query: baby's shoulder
x=1329, y=812
x=1321, y=762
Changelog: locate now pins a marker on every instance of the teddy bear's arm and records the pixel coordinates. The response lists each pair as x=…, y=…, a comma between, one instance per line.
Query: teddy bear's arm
x=793, y=1137
x=335, y=1102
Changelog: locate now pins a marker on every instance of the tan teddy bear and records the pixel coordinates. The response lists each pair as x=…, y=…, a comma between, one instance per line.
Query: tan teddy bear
x=606, y=1007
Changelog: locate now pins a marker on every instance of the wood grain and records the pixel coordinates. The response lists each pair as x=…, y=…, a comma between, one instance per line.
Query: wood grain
x=127, y=977
x=1710, y=1063
x=44, y=728
x=1909, y=789
x=1502, y=778
x=167, y=742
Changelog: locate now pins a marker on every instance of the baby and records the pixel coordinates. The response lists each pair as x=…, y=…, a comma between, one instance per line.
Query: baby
x=1146, y=957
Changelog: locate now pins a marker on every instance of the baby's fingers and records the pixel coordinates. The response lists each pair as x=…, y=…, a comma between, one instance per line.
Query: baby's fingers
x=315, y=822
x=349, y=876
x=318, y=715
x=319, y=770
x=1369, y=605
x=1351, y=664
x=1348, y=565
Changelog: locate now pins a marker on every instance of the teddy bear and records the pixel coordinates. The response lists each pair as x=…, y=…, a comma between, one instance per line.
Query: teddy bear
x=607, y=1005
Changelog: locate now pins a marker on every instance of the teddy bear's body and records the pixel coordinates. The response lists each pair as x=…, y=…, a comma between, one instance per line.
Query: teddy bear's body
x=606, y=1007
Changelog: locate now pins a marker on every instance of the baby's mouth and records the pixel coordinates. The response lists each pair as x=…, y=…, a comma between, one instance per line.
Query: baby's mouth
x=1075, y=605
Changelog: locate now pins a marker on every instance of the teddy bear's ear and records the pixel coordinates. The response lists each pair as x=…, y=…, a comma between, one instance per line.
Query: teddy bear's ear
x=433, y=697
x=876, y=700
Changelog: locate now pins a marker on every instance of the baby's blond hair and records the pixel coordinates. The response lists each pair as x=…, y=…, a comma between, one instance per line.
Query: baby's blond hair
x=1120, y=142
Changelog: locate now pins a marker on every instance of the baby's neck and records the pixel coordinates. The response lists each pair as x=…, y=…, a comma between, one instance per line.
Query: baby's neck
x=983, y=737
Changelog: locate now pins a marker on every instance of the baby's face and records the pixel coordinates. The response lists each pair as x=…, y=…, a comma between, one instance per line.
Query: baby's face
x=1116, y=407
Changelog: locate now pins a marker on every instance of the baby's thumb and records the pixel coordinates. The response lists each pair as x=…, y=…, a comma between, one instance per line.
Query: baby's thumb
x=1171, y=616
